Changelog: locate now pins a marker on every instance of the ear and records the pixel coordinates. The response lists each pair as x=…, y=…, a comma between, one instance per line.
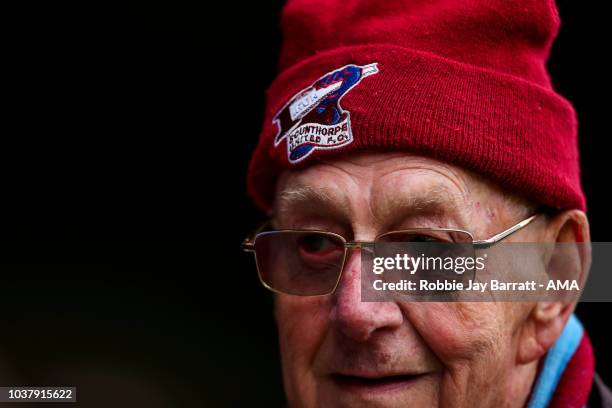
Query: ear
x=567, y=226
x=546, y=320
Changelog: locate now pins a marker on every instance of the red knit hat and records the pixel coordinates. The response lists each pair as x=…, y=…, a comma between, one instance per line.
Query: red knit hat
x=461, y=81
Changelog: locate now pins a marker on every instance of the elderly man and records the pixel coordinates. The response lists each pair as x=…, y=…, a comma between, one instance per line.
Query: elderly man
x=395, y=115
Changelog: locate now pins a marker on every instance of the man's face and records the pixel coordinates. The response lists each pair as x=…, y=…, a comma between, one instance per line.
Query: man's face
x=340, y=352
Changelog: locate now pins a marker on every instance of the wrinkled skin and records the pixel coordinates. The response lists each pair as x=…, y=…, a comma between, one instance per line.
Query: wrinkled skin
x=447, y=354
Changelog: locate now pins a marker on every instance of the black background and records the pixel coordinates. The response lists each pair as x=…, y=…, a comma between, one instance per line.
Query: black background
x=123, y=193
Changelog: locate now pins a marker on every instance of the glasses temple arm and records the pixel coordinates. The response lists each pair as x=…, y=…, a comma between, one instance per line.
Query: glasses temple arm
x=248, y=245
x=486, y=243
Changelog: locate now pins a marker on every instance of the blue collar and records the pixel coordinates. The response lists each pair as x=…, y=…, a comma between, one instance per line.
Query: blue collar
x=555, y=362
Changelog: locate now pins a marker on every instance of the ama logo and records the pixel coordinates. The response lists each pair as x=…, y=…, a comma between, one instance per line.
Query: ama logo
x=313, y=118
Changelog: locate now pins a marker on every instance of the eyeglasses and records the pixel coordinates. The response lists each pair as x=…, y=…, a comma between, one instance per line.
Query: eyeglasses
x=310, y=262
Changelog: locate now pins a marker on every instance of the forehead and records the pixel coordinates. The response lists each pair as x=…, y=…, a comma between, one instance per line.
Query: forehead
x=383, y=185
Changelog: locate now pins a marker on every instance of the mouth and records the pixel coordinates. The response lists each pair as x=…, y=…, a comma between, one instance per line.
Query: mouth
x=356, y=383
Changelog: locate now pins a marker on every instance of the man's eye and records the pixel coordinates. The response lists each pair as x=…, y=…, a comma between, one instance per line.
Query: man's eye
x=317, y=244
x=423, y=238
x=411, y=237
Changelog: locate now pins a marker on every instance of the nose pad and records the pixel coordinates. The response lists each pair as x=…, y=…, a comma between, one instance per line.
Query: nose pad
x=348, y=289
x=353, y=259
x=352, y=268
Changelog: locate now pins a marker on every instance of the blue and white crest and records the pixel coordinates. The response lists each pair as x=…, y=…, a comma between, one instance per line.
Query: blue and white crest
x=313, y=118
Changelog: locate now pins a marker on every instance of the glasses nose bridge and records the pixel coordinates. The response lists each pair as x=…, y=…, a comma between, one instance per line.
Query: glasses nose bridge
x=358, y=244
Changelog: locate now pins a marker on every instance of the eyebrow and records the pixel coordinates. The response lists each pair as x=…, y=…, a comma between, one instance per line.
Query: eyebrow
x=309, y=199
x=438, y=200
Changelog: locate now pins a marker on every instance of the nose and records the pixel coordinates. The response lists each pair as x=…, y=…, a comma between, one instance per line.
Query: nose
x=354, y=318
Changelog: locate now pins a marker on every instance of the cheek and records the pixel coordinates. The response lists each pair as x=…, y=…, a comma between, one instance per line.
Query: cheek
x=302, y=326
x=303, y=317
x=460, y=331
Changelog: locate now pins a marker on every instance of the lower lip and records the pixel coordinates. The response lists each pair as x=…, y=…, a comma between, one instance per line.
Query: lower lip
x=359, y=385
